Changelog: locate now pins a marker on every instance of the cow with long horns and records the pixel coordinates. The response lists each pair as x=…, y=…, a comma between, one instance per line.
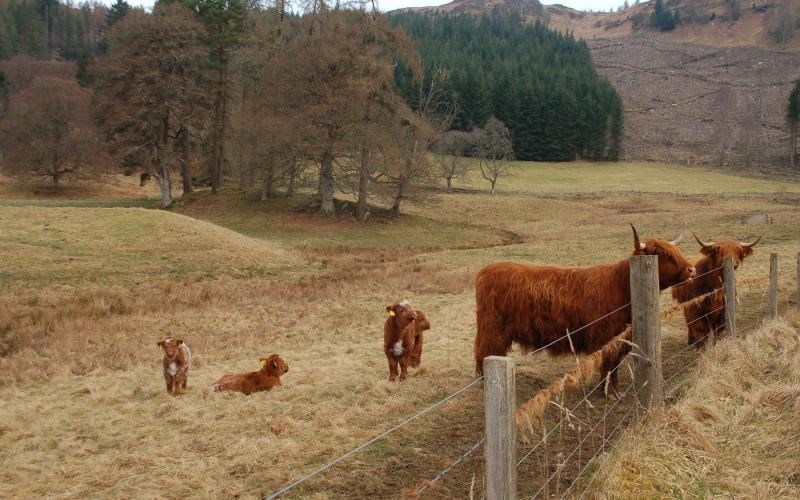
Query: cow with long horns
x=705, y=319
x=535, y=306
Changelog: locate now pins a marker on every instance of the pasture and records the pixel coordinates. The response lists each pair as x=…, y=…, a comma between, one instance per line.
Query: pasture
x=90, y=284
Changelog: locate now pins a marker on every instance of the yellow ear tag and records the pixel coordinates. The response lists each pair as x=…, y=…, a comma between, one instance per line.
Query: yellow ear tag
x=391, y=313
x=162, y=348
x=263, y=362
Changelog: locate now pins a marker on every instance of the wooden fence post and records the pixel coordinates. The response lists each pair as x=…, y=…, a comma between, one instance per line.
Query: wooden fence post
x=773, y=285
x=646, y=326
x=500, y=401
x=730, y=296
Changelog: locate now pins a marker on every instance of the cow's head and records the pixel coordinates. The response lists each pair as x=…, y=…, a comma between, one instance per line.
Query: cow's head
x=673, y=268
x=421, y=323
x=402, y=313
x=274, y=365
x=170, y=346
x=718, y=250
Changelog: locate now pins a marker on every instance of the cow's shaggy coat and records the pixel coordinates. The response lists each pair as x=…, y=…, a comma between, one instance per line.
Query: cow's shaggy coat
x=421, y=324
x=398, y=338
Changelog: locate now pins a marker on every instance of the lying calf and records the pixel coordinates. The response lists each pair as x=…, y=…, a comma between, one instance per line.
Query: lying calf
x=263, y=380
x=177, y=358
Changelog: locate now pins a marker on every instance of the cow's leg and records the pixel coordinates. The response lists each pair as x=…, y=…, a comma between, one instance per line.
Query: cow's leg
x=404, y=366
x=392, y=367
x=492, y=339
x=168, y=381
x=610, y=386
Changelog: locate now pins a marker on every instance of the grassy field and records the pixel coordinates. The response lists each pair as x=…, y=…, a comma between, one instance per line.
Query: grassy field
x=87, y=292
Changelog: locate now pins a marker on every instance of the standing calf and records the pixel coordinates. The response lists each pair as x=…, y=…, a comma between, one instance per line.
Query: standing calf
x=420, y=325
x=177, y=358
x=398, y=337
x=263, y=380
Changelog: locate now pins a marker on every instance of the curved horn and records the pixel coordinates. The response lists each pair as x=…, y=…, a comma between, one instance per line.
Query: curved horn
x=704, y=245
x=750, y=245
x=677, y=241
x=637, y=245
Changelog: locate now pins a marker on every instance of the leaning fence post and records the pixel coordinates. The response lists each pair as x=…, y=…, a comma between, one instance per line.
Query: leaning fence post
x=646, y=326
x=730, y=296
x=773, y=285
x=500, y=401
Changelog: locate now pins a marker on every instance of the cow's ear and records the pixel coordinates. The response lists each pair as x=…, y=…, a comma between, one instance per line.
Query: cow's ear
x=709, y=251
x=390, y=310
x=160, y=344
x=263, y=361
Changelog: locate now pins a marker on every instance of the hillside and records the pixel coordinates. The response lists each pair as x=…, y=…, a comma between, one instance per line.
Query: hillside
x=711, y=91
x=733, y=435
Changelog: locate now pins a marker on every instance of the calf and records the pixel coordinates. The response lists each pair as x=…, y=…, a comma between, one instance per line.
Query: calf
x=263, y=380
x=705, y=320
x=177, y=358
x=398, y=337
x=420, y=325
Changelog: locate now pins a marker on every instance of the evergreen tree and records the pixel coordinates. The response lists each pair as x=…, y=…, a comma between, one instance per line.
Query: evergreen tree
x=662, y=18
x=116, y=12
x=793, y=119
x=540, y=83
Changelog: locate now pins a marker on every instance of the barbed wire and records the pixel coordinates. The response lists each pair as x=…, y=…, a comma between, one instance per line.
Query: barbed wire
x=689, y=346
x=440, y=475
x=371, y=441
x=692, y=278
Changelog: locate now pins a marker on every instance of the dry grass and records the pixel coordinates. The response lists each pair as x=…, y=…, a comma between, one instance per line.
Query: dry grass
x=82, y=409
x=734, y=434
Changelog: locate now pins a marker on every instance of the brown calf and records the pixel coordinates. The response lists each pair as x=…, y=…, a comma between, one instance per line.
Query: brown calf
x=398, y=337
x=420, y=325
x=263, y=380
x=177, y=358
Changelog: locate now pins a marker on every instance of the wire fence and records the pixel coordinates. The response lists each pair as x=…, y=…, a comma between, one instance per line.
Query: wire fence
x=568, y=413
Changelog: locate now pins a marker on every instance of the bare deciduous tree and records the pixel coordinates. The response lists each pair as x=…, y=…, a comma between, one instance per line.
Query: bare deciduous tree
x=48, y=130
x=449, y=153
x=494, y=149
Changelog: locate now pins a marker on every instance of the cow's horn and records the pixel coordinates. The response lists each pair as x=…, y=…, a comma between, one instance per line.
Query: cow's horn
x=702, y=244
x=637, y=245
x=749, y=245
x=677, y=241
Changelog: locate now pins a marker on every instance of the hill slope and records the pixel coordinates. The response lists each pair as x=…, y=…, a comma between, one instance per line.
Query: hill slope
x=711, y=91
x=733, y=435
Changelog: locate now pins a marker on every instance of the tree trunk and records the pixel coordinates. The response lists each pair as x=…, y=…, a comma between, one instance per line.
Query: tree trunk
x=218, y=136
x=449, y=183
x=493, y=184
x=401, y=191
x=363, y=183
x=271, y=180
x=292, y=179
x=326, y=183
x=56, y=177
x=165, y=185
x=186, y=173
x=264, y=190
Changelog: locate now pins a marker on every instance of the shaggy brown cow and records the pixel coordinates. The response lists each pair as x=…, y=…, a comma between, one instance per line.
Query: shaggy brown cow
x=177, y=358
x=398, y=337
x=263, y=380
x=708, y=315
x=536, y=305
x=420, y=325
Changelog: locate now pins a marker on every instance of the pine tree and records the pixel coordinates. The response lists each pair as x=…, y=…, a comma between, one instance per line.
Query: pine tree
x=116, y=12
x=793, y=119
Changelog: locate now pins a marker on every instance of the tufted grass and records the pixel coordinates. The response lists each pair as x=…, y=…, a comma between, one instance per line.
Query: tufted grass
x=83, y=412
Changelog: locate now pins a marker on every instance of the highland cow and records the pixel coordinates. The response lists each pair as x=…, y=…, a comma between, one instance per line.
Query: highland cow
x=535, y=306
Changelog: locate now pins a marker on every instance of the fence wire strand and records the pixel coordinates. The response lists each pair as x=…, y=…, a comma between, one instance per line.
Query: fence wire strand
x=371, y=441
x=440, y=475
